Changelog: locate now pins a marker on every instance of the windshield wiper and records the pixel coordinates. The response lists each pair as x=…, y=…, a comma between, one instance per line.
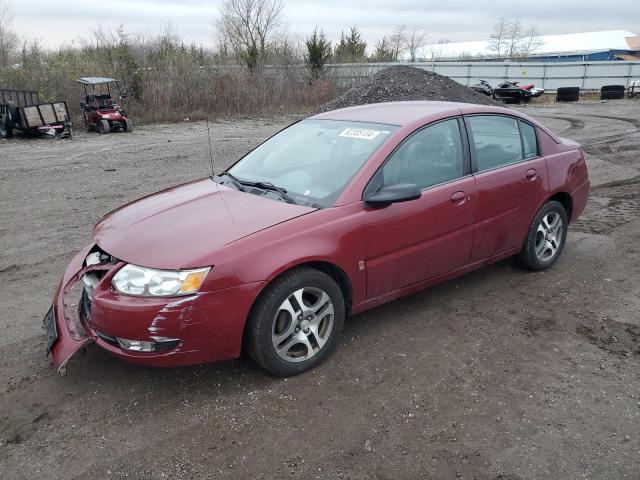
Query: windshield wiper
x=240, y=184
x=236, y=181
x=273, y=188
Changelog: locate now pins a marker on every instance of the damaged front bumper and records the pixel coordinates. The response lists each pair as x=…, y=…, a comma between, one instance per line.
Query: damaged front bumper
x=161, y=332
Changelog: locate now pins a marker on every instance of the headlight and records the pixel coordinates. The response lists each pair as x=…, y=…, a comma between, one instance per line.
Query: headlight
x=147, y=282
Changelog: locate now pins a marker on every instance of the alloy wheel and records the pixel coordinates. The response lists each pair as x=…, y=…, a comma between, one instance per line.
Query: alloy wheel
x=302, y=324
x=549, y=236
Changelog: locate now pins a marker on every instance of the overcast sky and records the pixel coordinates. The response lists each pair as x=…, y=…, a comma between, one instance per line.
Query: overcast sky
x=56, y=22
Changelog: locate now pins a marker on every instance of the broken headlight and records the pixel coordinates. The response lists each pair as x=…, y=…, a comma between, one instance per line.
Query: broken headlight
x=148, y=282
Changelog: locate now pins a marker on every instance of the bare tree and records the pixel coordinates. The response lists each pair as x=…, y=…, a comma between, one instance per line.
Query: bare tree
x=515, y=32
x=249, y=26
x=397, y=42
x=511, y=40
x=498, y=39
x=531, y=41
x=8, y=39
x=415, y=41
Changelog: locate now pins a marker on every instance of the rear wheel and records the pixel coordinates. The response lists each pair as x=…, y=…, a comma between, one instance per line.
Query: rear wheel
x=546, y=237
x=296, y=322
x=6, y=126
x=103, y=126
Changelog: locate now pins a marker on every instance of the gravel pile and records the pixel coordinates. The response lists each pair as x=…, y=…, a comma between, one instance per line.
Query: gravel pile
x=405, y=83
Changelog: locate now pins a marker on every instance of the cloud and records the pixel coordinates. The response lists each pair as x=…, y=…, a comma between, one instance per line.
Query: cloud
x=62, y=21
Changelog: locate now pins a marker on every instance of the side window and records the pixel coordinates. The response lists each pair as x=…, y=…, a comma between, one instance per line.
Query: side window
x=529, y=140
x=429, y=157
x=496, y=140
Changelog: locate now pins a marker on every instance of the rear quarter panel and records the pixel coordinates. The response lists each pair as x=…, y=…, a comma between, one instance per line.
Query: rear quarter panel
x=567, y=171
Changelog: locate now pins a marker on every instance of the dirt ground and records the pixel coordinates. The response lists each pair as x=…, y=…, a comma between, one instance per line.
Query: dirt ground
x=500, y=374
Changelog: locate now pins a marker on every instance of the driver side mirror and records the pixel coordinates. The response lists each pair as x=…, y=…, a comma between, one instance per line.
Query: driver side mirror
x=393, y=193
x=123, y=95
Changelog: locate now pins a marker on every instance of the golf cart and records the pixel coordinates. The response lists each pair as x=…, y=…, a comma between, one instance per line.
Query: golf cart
x=100, y=110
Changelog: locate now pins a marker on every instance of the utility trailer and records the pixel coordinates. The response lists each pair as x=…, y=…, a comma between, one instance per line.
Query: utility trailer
x=22, y=110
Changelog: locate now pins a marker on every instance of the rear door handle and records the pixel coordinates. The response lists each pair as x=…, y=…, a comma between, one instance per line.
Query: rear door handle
x=458, y=197
x=531, y=173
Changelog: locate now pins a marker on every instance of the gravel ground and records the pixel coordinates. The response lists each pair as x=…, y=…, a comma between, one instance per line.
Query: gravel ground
x=500, y=374
x=405, y=83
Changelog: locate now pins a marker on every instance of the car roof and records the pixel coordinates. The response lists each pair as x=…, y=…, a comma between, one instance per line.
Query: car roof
x=405, y=113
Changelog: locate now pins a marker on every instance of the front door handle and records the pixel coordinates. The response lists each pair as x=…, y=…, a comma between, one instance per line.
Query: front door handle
x=531, y=173
x=458, y=197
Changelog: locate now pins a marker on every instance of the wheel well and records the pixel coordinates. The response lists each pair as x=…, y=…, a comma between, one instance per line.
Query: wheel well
x=566, y=201
x=330, y=269
x=338, y=275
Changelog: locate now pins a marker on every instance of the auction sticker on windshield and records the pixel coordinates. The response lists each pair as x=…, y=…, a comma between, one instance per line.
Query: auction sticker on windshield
x=360, y=133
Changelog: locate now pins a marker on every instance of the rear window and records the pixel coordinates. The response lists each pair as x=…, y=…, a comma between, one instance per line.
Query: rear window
x=529, y=140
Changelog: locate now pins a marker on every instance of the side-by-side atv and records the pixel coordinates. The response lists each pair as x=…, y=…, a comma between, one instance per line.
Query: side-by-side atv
x=100, y=110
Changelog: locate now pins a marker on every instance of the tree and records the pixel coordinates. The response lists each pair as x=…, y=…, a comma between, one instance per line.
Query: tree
x=398, y=42
x=383, y=52
x=511, y=40
x=8, y=39
x=249, y=26
x=318, y=53
x=530, y=42
x=498, y=39
x=415, y=41
x=351, y=47
x=514, y=34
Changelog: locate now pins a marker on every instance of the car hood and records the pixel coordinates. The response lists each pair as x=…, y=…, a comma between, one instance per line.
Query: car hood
x=182, y=226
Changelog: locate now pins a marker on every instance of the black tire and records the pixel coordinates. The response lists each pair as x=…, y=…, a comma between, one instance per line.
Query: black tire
x=6, y=126
x=612, y=92
x=568, y=94
x=104, y=127
x=529, y=256
x=263, y=317
x=13, y=110
x=128, y=125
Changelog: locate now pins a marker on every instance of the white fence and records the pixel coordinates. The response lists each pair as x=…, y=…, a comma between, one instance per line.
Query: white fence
x=586, y=75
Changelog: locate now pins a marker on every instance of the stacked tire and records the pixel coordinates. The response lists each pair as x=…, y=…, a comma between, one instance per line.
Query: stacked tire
x=568, y=94
x=612, y=92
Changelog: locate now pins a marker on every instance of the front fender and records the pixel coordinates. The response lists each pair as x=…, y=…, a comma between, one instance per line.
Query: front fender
x=334, y=236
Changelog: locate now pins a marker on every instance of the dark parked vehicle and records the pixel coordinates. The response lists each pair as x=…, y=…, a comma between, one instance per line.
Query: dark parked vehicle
x=100, y=111
x=334, y=215
x=511, y=92
x=483, y=87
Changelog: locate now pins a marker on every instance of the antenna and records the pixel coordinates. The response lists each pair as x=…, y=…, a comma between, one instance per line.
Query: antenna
x=213, y=173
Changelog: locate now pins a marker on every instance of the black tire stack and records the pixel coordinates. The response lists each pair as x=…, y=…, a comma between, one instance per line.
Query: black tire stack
x=568, y=94
x=612, y=92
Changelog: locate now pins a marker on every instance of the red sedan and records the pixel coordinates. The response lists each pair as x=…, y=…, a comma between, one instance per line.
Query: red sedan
x=335, y=214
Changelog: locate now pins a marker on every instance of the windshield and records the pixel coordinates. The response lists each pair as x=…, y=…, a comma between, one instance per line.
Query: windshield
x=313, y=160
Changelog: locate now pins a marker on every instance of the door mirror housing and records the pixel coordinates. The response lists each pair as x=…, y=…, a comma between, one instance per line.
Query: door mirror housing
x=393, y=193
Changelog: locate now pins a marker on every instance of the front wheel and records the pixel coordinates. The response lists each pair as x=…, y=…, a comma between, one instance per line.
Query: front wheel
x=104, y=127
x=546, y=237
x=296, y=322
x=128, y=125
